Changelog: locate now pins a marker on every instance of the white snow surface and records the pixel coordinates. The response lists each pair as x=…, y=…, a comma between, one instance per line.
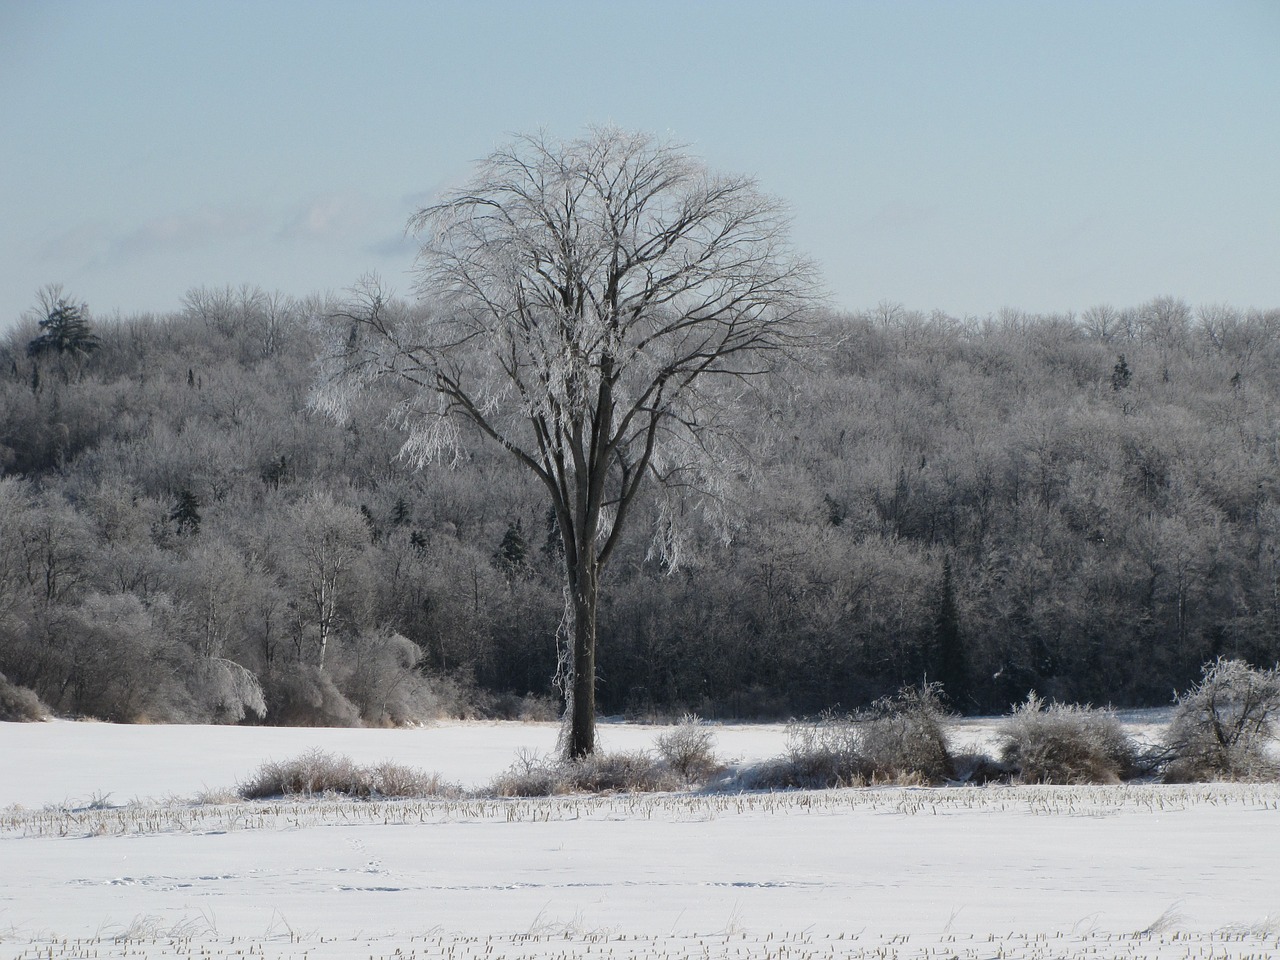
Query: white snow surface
x=104, y=853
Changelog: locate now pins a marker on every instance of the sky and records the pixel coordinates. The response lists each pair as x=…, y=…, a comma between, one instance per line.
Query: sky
x=965, y=157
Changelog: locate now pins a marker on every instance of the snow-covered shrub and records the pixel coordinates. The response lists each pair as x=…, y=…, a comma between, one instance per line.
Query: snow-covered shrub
x=378, y=673
x=319, y=772
x=821, y=753
x=299, y=694
x=900, y=739
x=529, y=708
x=633, y=772
x=532, y=775
x=689, y=749
x=456, y=695
x=600, y=772
x=20, y=704
x=122, y=662
x=313, y=772
x=1065, y=743
x=1221, y=726
x=226, y=690
x=397, y=780
x=903, y=738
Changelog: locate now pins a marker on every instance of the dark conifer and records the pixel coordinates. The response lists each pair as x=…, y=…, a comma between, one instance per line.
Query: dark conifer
x=513, y=551
x=186, y=513
x=1121, y=375
x=950, y=661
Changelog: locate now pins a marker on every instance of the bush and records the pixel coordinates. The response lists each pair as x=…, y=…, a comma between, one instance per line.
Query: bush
x=20, y=704
x=689, y=750
x=533, y=776
x=636, y=772
x=377, y=673
x=396, y=780
x=457, y=695
x=300, y=695
x=530, y=776
x=821, y=753
x=226, y=690
x=318, y=772
x=1061, y=743
x=1221, y=726
x=900, y=739
x=120, y=661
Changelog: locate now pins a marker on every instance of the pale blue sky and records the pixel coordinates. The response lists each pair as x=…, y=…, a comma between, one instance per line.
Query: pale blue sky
x=956, y=155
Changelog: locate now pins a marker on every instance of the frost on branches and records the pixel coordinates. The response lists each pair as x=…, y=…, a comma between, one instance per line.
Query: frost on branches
x=591, y=306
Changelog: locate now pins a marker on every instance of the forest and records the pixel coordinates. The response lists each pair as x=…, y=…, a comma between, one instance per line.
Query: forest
x=1085, y=506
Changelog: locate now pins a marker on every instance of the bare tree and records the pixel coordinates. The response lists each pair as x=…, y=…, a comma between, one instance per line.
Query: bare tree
x=586, y=300
x=1101, y=322
x=325, y=542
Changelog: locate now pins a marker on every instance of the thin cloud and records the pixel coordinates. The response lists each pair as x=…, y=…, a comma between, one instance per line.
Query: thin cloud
x=897, y=216
x=329, y=217
x=395, y=246
x=96, y=245
x=197, y=228
x=422, y=198
x=81, y=243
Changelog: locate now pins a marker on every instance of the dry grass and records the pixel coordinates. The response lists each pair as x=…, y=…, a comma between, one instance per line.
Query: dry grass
x=548, y=939
x=175, y=817
x=149, y=938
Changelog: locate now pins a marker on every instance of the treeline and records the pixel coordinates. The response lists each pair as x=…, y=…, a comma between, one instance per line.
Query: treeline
x=1082, y=506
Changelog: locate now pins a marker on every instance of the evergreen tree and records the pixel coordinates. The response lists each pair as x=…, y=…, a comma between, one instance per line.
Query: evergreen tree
x=65, y=332
x=836, y=511
x=401, y=513
x=371, y=522
x=512, y=552
x=186, y=513
x=952, y=669
x=1121, y=375
x=418, y=540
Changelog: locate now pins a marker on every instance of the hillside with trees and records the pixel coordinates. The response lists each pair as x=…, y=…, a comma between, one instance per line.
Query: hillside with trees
x=1084, y=506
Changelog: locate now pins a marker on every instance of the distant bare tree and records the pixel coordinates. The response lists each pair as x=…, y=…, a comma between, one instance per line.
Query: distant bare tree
x=326, y=539
x=585, y=299
x=1102, y=323
x=1165, y=321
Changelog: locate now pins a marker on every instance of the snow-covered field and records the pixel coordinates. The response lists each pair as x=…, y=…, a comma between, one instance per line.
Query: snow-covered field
x=103, y=854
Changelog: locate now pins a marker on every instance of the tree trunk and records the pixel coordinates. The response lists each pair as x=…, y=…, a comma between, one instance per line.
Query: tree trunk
x=582, y=721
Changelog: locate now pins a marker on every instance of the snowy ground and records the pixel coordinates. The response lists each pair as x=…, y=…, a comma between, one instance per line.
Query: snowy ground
x=102, y=855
